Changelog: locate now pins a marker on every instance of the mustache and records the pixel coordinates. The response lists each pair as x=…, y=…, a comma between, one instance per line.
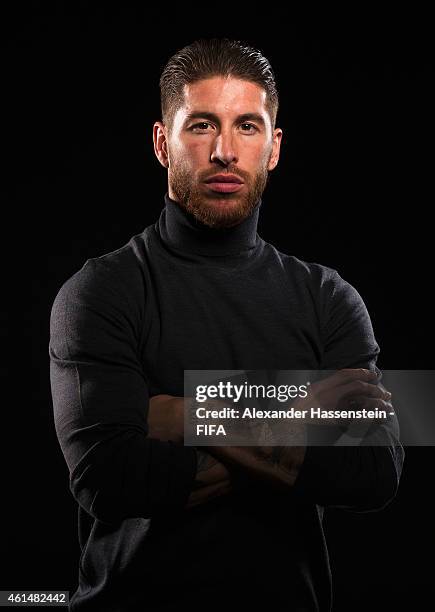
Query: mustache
x=244, y=176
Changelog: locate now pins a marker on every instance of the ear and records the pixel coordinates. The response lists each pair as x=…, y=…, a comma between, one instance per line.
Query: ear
x=160, y=143
x=276, y=147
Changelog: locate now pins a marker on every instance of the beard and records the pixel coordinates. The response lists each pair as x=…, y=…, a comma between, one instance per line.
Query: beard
x=231, y=209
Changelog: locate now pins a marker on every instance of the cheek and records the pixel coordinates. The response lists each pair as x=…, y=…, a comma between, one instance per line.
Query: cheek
x=267, y=153
x=258, y=156
x=191, y=154
x=197, y=151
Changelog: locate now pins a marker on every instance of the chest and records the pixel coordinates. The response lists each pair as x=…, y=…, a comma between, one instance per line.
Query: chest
x=217, y=320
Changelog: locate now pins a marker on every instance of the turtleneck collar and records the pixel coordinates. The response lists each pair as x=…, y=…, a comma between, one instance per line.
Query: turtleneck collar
x=180, y=230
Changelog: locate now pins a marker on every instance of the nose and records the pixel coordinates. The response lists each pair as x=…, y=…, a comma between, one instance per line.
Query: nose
x=223, y=149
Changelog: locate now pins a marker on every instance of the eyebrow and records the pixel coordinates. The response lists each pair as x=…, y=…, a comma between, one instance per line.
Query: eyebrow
x=239, y=119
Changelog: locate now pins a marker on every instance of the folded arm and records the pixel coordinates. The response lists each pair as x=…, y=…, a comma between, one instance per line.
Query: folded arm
x=100, y=400
x=358, y=478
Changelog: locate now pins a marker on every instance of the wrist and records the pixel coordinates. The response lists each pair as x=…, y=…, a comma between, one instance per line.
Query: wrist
x=176, y=410
x=166, y=418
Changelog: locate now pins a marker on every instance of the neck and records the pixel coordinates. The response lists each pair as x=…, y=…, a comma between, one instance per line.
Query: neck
x=179, y=229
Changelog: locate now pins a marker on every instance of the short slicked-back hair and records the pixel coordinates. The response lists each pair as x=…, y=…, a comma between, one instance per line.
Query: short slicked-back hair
x=206, y=58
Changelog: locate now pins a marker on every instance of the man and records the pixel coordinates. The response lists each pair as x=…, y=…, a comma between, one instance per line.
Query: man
x=162, y=525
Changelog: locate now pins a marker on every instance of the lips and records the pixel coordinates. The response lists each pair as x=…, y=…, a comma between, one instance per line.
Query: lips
x=224, y=178
x=224, y=187
x=224, y=183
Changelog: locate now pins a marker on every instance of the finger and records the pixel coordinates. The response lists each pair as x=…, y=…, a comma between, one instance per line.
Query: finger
x=381, y=386
x=345, y=376
x=359, y=387
x=375, y=403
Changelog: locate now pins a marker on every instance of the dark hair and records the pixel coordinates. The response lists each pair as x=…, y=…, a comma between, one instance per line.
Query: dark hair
x=206, y=58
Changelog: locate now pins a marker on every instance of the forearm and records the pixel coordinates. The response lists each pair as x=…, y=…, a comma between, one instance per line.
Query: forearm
x=280, y=466
x=165, y=422
x=165, y=418
x=356, y=478
x=277, y=466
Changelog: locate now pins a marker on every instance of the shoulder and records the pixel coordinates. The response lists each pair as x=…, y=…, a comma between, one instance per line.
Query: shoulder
x=348, y=339
x=337, y=302
x=316, y=277
x=113, y=279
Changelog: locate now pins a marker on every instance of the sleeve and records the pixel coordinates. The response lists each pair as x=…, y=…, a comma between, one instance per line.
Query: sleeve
x=100, y=401
x=357, y=478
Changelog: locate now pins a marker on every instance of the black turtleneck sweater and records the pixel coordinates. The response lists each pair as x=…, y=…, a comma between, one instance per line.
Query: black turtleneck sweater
x=123, y=329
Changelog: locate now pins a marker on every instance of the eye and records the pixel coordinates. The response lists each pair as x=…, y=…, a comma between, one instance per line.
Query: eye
x=199, y=126
x=249, y=125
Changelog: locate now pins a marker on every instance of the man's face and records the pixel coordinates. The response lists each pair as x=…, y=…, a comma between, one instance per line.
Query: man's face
x=222, y=128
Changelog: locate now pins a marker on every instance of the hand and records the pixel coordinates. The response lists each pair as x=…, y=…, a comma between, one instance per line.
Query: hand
x=213, y=479
x=347, y=389
x=274, y=466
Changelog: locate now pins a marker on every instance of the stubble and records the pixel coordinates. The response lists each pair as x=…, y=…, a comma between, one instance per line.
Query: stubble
x=217, y=210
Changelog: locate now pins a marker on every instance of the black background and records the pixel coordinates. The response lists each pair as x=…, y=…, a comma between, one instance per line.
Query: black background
x=352, y=191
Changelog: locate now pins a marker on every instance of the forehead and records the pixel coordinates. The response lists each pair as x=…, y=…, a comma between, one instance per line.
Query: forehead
x=224, y=94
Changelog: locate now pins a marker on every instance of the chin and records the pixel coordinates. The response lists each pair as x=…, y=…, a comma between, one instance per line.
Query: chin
x=224, y=201
x=225, y=197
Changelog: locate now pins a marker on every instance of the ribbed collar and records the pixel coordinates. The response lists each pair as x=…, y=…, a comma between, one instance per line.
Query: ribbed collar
x=181, y=230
